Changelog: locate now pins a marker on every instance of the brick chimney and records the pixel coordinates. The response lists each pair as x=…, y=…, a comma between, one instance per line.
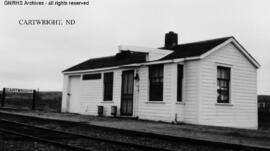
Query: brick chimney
x=171, y=39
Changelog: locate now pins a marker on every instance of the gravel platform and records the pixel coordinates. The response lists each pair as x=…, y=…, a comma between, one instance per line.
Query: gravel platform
x=215, y=134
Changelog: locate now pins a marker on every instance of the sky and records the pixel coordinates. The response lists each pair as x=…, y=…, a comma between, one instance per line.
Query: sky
x=33, y=56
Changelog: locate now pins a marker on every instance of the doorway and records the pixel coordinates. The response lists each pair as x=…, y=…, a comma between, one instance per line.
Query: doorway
x=127, y=93
x=73, y=100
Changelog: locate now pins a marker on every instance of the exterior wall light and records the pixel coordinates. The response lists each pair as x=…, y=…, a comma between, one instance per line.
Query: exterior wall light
x=137, y=78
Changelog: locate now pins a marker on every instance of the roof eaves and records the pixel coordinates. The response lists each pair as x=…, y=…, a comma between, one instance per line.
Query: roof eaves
x=215, y=48
x=200, y=41
x=256, y=63
x=86, y=61
x=242, y=49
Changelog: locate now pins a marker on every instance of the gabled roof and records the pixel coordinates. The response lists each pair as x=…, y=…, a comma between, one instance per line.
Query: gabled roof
x=110, y=61
x=198, y=50
x=242, y=50
x=194, y=49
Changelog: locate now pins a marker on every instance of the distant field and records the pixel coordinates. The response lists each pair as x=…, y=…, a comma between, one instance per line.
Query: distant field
x=50, y=101
x=45, y=101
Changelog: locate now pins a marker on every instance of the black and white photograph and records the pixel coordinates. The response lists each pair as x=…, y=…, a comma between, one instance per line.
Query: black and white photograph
x=134, y=75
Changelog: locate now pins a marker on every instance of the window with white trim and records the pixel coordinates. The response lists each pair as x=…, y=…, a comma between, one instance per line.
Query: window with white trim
x=108, y=86
x=223, y=84
x=156, y=83
x=180, y=76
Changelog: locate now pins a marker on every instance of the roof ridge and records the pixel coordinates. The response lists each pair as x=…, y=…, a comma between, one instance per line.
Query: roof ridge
x=101, y=57
x=202, y=41
x=108, y=61
x=111, y=56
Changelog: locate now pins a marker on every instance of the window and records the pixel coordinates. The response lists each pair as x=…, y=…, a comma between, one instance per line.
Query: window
x=156, y=83
x=179, y=82
x=91, y=76
x=108, y=86
x=223, y=84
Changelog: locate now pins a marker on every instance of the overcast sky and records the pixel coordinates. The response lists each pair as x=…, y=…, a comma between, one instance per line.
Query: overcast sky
x=34, y=56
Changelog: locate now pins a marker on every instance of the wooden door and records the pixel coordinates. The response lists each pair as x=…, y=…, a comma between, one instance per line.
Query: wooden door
x=127, y=93
x=74, y=102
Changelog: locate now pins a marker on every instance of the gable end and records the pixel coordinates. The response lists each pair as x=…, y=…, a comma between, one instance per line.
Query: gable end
x=239, y=47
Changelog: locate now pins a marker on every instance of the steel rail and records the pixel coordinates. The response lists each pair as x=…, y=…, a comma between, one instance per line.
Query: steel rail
x=136, y=146
x=154, y=135
x=65, y=146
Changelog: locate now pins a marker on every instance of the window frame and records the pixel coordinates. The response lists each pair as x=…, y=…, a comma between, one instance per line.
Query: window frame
x=108, y=84
x=223, y=71
x=93, y=76
x=180, y=79
x=156, y=86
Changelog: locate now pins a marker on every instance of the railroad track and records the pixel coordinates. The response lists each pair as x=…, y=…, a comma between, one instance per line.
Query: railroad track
x=193, y=142
x=66, y=140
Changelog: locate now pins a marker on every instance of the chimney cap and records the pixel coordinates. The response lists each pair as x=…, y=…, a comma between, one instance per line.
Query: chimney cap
x=171, y=32
x=171, y=39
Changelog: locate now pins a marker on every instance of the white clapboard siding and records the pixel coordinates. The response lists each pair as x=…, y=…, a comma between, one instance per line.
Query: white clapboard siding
x=179, y=114
x=117, y=85
x=243, y=110
x=177, y=110
x=169, y=110
x=190, y=92
x=159, y=111
x=91, y=95
x=116, y=94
